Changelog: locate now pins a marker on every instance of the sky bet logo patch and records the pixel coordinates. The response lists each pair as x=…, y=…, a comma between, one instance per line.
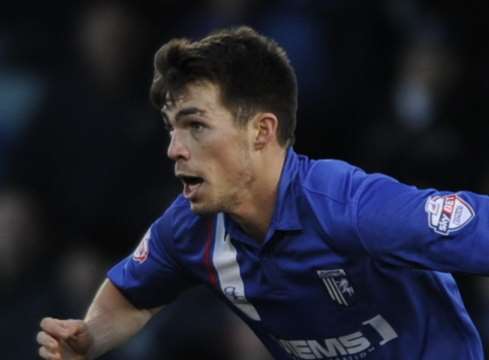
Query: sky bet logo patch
x=448, y=213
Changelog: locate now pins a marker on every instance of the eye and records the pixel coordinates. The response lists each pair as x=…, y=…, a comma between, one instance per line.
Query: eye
x=196, y=126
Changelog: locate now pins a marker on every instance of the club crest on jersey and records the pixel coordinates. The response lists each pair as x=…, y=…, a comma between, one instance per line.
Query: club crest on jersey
x=448, y=213
x=142, y=251
x=339, y=288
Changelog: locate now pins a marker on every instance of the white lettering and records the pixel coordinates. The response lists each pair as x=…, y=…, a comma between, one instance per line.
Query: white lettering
x=332, y=345
x=383, y=328
x=285, y=344
x=301, y=349
x=355, y=343
x=354, y=346
x=320, y=351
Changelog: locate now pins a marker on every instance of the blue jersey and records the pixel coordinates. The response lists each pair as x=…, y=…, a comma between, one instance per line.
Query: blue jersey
x=354, y=265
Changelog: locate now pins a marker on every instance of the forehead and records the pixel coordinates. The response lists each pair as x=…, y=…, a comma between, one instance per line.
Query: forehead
x=202, y=95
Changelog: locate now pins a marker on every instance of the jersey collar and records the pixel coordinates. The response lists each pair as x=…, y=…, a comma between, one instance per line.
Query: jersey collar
x=286, y=216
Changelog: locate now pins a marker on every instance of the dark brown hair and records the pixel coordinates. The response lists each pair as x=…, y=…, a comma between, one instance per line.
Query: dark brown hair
x=253, y=74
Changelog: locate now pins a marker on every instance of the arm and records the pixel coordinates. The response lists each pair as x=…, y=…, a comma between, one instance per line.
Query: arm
x=375, y=215
x=427, y=229
x=110, y=321
x=147, y=279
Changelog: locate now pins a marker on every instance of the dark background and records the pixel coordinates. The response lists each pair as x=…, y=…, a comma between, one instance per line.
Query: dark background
x=393, y=86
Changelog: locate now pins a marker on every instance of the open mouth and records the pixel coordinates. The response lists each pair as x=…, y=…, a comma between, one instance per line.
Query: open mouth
x=190, y=185
x=190, y=180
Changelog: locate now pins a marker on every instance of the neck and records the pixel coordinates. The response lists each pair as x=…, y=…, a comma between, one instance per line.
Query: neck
x=254, y=214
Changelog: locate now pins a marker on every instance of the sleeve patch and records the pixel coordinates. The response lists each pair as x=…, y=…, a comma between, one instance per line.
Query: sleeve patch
x=448, y=213
x=142, y=251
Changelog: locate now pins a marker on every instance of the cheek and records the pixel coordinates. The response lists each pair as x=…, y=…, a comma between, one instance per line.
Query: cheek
x=239, y=169
x=227, y=166
x=227, y=161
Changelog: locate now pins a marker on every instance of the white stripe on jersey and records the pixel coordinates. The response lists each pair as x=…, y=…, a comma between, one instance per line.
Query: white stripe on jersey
x=227, y=268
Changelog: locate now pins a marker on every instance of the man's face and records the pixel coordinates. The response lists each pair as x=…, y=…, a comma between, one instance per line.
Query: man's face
x=211, y=153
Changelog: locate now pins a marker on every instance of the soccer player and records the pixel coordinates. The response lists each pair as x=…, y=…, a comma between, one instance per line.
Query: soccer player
x=320, y=259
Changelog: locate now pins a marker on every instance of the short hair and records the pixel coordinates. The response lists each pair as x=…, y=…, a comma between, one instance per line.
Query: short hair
x=252, y=72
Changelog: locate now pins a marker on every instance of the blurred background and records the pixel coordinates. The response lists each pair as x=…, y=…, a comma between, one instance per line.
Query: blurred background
x=393, y=86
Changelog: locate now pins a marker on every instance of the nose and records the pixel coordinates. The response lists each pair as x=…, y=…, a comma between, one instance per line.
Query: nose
x=177, y=150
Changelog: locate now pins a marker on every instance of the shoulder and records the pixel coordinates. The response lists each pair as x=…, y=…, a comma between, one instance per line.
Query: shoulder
x=330, y=187
x=331, y=178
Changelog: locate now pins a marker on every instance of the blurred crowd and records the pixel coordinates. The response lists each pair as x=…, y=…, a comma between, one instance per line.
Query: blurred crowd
x=393, y=86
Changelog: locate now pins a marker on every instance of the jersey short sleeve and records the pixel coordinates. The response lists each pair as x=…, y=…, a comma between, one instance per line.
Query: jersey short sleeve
x=151, y=276
x=376, y=215
x=437, y=230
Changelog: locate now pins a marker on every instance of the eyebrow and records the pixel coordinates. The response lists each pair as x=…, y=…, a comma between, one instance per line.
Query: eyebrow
x=192, y=110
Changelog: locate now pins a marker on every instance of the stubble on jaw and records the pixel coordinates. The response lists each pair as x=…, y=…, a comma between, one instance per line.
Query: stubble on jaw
x=245, y=178
x=239, y=183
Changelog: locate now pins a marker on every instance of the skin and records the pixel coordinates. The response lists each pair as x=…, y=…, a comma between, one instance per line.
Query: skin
x=238, y=165
x=110, y=321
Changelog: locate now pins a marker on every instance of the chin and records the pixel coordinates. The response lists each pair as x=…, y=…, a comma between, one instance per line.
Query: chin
x=203, y=209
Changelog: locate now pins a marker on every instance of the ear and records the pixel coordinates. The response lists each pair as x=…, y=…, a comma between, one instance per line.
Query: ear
x=265, y=129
